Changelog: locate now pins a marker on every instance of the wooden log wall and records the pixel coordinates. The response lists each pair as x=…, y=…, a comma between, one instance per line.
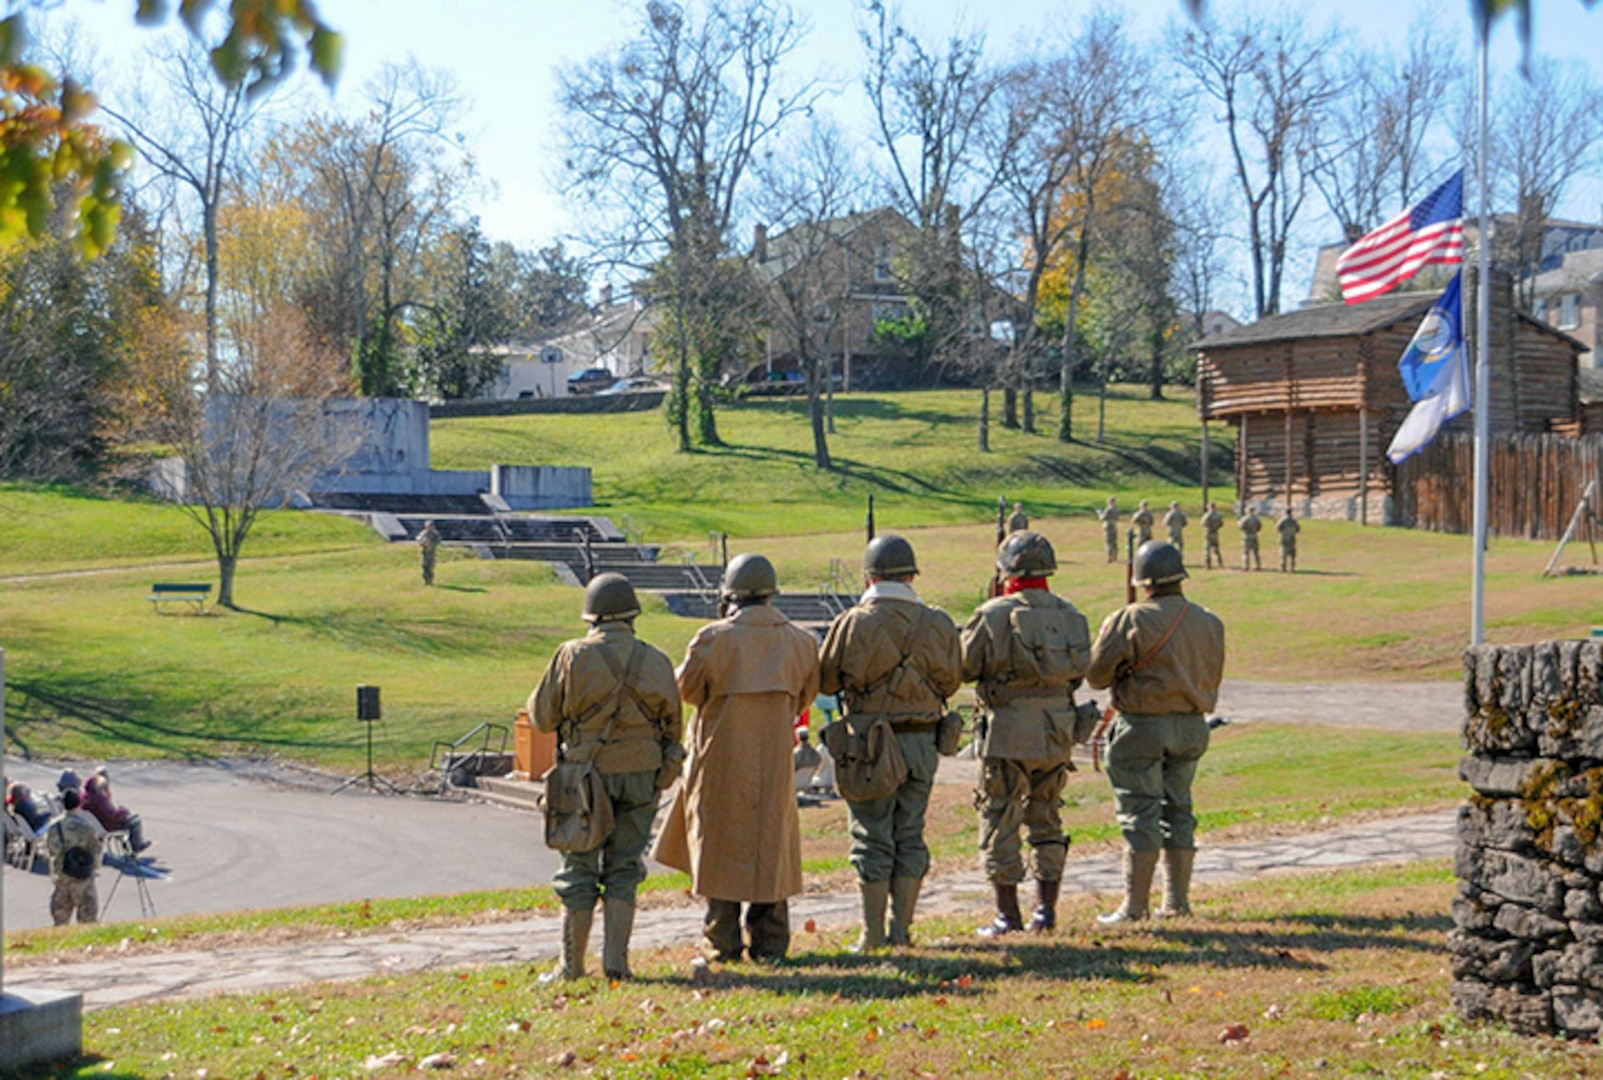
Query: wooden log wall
x=1536, y=483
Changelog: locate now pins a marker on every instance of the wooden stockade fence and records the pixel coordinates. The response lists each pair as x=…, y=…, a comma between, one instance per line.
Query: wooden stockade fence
x=1536, y=483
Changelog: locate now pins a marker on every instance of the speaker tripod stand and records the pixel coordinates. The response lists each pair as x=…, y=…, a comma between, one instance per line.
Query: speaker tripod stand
x=370, y=779
x=127, y=857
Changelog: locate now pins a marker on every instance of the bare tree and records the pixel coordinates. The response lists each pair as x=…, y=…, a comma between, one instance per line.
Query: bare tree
x=1273, y=83
x=1199, y=263
x=1075, y=114
x=806, y=265
x=263, y=432
x=1384, y=128
x=936, y=110
x=195, y=141
x=1547, y=135
x=662, y=134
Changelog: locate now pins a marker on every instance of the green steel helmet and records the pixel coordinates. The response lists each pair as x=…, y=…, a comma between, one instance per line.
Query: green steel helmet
x=1026, y=554
x=609, y=597
x=889, y=556
x=749, y=577
x=1158, y=562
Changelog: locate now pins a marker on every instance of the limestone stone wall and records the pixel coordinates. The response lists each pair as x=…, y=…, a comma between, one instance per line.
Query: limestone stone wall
x=1527, y=945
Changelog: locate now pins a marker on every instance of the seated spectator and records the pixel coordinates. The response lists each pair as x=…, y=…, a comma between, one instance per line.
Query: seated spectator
x=68, y=781
x=807, y=760
x=97, y=801
x=22, y=804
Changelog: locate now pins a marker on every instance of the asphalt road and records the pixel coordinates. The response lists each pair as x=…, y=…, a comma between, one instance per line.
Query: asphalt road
x=233, y=836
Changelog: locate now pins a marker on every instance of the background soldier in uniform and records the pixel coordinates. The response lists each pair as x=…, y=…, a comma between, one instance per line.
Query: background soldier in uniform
x=1142, y=520
x=1288, y=528
x=1212, y=522
x=75, y=830
x=1025, y=651
x=1018, y=521
x=611, y=688
x=1176, y=521
x=1250, y=527
x=892, y=656
x=428, y=542
x=1163, y=657
x=1109, y=516
x=733, y=825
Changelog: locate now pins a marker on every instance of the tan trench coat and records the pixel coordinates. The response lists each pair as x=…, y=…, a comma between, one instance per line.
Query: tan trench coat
x=732, y=825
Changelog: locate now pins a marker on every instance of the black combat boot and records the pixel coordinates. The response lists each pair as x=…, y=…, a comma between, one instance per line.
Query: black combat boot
x=1008, y=919
x=1045, y=917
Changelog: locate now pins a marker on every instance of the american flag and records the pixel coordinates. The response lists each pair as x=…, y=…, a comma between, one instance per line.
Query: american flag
x=1432, y=231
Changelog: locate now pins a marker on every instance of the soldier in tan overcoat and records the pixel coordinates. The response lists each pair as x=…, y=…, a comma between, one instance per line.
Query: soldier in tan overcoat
x=611, y=698
x=732, y=825
x=892, y=657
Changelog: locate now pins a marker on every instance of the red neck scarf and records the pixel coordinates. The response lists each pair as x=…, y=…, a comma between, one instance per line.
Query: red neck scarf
x=1019, y=584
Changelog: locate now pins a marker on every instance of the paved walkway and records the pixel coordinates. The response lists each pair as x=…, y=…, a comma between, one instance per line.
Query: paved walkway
x=156, y=976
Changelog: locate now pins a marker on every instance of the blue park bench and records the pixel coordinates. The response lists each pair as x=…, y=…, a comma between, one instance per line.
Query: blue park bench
x=170, y=592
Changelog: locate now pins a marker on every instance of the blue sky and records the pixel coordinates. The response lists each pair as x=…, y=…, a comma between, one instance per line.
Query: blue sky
x=503, y=54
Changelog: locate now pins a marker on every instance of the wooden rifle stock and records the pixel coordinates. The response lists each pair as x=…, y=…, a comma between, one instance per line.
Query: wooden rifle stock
x=1001, y=535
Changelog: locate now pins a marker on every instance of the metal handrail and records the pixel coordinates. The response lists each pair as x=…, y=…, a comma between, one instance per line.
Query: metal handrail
x=486, y=730
x=839, y=576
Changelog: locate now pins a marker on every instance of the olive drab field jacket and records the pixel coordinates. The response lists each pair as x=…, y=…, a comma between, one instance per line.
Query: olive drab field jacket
x=1181, y=677
x=581, y=685
x=732, y=825
x=892, y=655
x=1025, y=654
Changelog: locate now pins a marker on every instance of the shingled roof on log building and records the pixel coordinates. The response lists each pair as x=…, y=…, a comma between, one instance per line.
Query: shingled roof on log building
x=1325, y=320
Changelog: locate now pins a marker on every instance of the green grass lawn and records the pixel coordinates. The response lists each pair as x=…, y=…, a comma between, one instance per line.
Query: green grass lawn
x=915, y=452
x=1338, y=974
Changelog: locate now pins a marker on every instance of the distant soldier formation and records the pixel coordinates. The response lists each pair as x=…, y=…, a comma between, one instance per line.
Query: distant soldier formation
x=891, y=664
x=1175, y=521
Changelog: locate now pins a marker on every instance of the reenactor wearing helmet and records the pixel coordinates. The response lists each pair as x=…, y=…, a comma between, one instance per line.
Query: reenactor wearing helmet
x=614, y=695
x=1250, y=527
x=1142, y=520
x=1212, y=522
x=428, y=545
x=733, y=825
x=1026, y=652
x=1288, y=528
x=1176, y=521
x=892, y=656
x=1163, y=656
x=1109, y=516
x=1018, y=521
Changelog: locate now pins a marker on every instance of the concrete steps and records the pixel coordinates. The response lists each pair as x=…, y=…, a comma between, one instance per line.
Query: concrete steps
x=512, y=794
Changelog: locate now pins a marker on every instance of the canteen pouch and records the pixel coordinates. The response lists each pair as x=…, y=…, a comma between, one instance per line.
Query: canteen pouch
x=868, y=760
x=578, y=812
x=673, y=763
x=1087, y=715
x=949, y=734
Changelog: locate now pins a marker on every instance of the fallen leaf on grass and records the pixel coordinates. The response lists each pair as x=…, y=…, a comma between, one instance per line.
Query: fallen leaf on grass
x=965, y=981
x=1095, y=1023
x=443, y=1060
x=761, y=1066
x=811, y=926
x=519, y=1025
x=384, y=1061
x=563, y=1060
x=1273, y=1012
x=1234, y=1033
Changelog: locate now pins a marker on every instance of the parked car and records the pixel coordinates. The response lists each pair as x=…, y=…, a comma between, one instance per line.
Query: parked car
x=634, y=384
x=590, y=381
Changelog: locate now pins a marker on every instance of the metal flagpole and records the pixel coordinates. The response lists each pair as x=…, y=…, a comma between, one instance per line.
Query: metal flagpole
x=1483, y=363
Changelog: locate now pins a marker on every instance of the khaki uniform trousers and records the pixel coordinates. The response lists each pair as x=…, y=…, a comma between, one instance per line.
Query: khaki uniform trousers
x=1213, y=552
x=1110, y=536
x=1025, y=796
x=616, y=868
x=1249, y=553
x=1152, y=760
x=888, y=833
x=767, y=925
x=74, y=895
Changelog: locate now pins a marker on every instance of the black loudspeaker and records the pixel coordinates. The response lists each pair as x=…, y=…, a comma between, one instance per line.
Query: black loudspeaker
x=367, y=707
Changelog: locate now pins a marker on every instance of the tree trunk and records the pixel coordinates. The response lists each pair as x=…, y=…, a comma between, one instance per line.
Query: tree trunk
x=225, y=579
x=815, y=405
x=985, y=419
x=1029, y=410
x=1157, y=366
x=706, y=419
x=210, y=215
x=1010, y=408
x=1102, y=402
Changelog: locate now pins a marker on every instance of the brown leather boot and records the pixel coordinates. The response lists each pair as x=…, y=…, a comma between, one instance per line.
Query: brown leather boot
x=875, y=896
x=1177, y=865
x=1008, y=918
x=1045, y=917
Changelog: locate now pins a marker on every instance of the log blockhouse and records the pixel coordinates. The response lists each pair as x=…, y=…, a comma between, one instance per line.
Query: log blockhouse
x=1315, y=397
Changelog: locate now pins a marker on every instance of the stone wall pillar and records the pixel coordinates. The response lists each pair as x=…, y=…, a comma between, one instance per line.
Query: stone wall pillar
x=1527, y=946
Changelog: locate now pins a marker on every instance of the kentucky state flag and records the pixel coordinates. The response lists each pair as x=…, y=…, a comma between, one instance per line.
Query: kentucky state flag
x=1435, y=372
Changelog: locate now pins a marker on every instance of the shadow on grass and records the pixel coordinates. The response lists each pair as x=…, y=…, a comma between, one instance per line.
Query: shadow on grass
x=96, y=708
x=437, y=637
x=461, y=588
x=965, y=968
